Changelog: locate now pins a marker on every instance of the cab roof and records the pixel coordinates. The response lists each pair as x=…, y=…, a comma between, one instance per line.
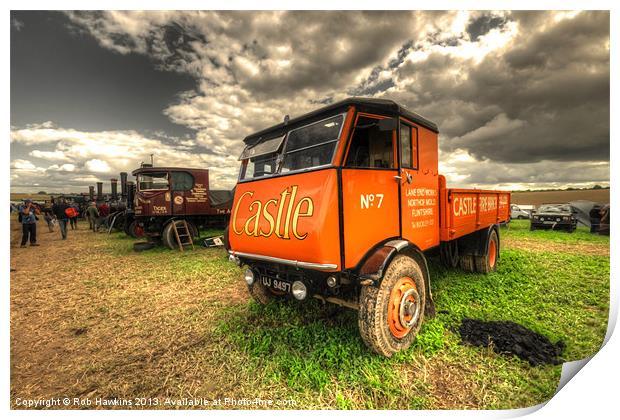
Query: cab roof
x=382, y=106
x=147, y=169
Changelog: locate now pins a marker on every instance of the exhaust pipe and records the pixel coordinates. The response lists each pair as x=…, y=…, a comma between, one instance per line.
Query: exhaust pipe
x=99, y=191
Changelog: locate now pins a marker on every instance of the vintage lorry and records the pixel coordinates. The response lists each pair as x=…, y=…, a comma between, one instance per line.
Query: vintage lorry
x=166, y=194
x=345, y=203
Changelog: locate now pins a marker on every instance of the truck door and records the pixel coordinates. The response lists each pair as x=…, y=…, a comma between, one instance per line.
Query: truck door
x=419, y=185
x=369, y=188
x=152, y=195
x=181, y=183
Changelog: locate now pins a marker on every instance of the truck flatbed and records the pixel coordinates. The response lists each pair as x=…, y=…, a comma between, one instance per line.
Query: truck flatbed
x=464, y=211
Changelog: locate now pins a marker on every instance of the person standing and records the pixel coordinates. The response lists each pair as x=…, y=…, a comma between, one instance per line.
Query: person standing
x=49, y=218
x=74, y=212
x=28, y=212
x=60, y=211
x=93, y=215
x=104, y=211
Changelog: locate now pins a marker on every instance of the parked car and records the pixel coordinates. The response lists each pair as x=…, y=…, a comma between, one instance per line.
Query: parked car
x=554, y=217
x=517, y=212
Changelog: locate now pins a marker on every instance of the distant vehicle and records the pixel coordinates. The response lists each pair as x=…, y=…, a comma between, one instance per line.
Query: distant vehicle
x=517, y=212
x=554, y=217
x=165, y=194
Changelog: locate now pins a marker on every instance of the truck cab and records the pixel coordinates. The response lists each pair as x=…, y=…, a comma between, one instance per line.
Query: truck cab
x=167, y=194
x=341, y=204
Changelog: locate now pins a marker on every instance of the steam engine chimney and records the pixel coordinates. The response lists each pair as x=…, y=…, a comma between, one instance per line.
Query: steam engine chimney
x=99, y=191
x=91, y=192
x=123, y=185
x=114, y=189
x=131, y=193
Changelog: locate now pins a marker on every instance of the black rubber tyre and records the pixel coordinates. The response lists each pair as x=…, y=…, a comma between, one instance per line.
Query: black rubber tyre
x=134, y=230
x=449, y=253
x=167, y=237
x=193, y=229
x=143, y=246
x=126, y=227
x=226, y=240
x=466, y=262
x=373, y=316
x=261, y=293
x=487, y=263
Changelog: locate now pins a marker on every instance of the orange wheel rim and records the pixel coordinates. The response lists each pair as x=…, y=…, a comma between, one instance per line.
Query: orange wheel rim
x=492, y=253
x=403, y=307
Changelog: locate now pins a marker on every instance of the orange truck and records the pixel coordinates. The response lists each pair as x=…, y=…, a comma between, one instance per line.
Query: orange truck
x=345, y=204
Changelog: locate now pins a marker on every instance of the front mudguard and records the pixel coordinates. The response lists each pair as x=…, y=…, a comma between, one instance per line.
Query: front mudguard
x=371, y=269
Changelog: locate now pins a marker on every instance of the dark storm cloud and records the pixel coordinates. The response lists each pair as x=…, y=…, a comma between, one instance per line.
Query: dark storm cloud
x=64, y=76
x=483, y=24
x=329, y=49
x=545, y=98
x=524, y=91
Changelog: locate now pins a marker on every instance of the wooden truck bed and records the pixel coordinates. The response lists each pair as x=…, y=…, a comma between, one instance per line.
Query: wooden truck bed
x=463, y=211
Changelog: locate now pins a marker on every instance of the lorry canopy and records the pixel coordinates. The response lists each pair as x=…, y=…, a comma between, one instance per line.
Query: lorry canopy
x=581, y=210
x=383, y=106
x=218, y=198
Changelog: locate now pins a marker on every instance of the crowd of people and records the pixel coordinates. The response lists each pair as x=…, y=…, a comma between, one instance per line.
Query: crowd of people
x=62, y=214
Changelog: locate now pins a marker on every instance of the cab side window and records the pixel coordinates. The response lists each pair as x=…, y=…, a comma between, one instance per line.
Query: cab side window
x=408, y=146
x=182, y=181
x=370, y=146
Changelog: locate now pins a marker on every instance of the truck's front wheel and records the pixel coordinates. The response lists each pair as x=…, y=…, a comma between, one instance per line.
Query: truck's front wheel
x=390, y=315
x=261, y=293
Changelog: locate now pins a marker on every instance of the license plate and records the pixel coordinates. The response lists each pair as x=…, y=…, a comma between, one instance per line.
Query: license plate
x=276, y=284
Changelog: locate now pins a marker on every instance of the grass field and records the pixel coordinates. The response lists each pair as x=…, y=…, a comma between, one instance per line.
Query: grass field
x=91, y=318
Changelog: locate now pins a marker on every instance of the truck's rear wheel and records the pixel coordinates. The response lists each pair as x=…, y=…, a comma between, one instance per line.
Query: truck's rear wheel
x=167, y=237
x=467, y=263
x=488, y=262
x=390, y=315
x=170, y=240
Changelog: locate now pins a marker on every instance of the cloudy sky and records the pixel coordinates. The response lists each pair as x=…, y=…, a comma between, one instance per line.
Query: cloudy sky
x=521, y=98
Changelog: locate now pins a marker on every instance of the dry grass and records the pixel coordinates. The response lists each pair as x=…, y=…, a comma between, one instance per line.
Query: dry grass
x=87, y=321
x=35, y=197
x=537, y=245
x=541, y=197
x=91, y=318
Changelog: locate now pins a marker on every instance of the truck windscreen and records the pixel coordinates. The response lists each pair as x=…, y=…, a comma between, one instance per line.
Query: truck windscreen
x=306, y=147
x=153, y=181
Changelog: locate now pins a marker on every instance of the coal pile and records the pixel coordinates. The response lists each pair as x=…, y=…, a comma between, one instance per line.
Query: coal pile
x=511, y=338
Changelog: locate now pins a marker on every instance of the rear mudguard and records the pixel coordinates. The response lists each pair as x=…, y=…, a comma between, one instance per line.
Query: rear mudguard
x=477, y=243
